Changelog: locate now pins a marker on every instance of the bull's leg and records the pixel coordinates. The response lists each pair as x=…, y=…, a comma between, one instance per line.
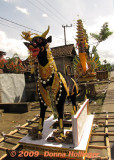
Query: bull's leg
x=73, y=99
x=41, y=120
x=60, y=110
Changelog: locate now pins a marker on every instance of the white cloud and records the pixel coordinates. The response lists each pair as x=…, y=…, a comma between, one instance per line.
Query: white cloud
x=106, y=50
x=10, y=1
x=44, y=15
x=94, y=14
x=11, y=46
x=23, y=10
x=59, y=39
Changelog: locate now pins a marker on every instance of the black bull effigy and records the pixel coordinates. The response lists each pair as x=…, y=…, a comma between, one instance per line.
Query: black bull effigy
x=53, y=88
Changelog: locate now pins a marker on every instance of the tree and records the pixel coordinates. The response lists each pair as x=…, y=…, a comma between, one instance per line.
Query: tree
x=107, y=66
x=103, y=35
x=105, y=61
x=96, y=57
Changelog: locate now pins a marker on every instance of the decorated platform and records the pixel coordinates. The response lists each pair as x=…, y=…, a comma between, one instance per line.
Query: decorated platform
x=81, y=131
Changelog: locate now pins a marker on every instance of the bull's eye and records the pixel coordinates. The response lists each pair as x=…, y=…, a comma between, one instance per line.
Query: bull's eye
x=39, y=40
x=34, y=44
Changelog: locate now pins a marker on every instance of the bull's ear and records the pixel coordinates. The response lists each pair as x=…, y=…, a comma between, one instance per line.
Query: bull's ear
x=49, y=39
x=26, y=44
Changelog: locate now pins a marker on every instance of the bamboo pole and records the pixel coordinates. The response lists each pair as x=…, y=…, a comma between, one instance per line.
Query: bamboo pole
x=15, y=147
x=26, y=128
x=107, y=139
x=3, y=148
x=30, y=122
x=11, y=133
x=102, y=112
x=97, y=147
x=95, y=82
x=16, y=130
x=99, y=158
x=102, y=134
x=109, y=125
x=96, y=118
x=3, y=157
x=10, y=136
x=103, y=125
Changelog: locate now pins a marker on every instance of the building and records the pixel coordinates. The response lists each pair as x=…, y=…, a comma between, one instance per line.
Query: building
x=2, y=54
x=63, y=56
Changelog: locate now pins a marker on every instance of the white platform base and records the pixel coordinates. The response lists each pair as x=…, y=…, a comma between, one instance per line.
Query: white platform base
x=47, y=131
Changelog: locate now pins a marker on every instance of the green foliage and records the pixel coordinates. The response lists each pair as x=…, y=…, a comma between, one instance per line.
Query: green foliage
x=103, y=35
x=107, y=66
x=105, y=32
x=96, y=56
x=94, y=50
x=105, y=61
x=112, y=67
x=86, y=35
x=95, y=36
x=76, y=60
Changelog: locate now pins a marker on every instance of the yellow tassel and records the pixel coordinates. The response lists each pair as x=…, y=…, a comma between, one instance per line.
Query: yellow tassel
x=72, y=112
x=61, y=134
x=61, y=123
x=32, y=70
x=40, y=124
x=40, y=121
x=85, y=97
x=39, y=132
x=74, y=109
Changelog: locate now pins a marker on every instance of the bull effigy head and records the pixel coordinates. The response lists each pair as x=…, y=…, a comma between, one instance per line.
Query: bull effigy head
x=37, y=44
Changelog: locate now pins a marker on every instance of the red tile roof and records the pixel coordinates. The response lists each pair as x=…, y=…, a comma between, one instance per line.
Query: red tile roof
x=63, y=51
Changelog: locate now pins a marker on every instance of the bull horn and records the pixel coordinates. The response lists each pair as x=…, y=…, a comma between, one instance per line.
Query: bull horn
x=45, y=33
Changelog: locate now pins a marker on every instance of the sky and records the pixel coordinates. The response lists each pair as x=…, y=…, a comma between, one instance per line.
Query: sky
x=35, y=16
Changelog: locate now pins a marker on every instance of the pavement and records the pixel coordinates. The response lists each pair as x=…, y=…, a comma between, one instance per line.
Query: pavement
x=108, y=105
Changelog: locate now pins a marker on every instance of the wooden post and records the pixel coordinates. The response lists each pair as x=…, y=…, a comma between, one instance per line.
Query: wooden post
x=21, y=127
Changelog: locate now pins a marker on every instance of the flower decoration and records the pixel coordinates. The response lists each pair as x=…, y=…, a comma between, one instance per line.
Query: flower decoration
x=13, y=65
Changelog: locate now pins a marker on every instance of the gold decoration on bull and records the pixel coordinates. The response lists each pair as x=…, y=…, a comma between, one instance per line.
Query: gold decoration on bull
x=31, y=63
